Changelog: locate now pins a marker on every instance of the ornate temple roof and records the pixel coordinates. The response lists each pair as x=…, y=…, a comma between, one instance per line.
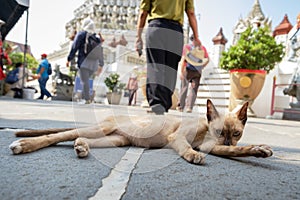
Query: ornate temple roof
x=254, y=16
x=284, y=27
x=220, y=38
x=256, y=12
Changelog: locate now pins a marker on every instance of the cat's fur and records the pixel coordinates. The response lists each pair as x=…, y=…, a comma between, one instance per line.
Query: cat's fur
x=191, y=138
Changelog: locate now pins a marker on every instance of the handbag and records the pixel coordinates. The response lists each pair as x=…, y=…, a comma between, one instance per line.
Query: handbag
x=126, y=93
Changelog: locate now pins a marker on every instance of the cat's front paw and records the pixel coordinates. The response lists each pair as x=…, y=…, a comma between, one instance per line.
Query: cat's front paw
x=262, y=150
x=81, y=148
x=194, y=157
x=24, y=146
x=16, y=147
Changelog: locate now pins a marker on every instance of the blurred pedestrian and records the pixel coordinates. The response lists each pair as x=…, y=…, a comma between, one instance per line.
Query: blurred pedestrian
x=87, y=66
x=193, y=60
x=132, y=86
x=43, y=77
x=164, y=42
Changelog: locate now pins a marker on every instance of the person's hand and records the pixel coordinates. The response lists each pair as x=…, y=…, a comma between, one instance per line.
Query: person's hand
x=36, y=76
x=68, y=64
x=197, y=42
x=182, y=75
x=139, y=46
x=99, y=70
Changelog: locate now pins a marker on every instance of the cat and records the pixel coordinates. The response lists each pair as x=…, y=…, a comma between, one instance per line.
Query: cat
x=192, y=138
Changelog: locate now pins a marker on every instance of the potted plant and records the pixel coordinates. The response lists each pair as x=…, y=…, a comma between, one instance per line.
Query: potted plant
x=249, y=60
x=115, y=88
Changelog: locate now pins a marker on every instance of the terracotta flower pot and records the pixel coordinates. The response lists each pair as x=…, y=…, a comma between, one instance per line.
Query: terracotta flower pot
x=245, y=86
x=114, y=97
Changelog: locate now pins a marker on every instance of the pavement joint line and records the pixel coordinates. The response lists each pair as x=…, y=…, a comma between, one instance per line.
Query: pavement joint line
x=115, y=184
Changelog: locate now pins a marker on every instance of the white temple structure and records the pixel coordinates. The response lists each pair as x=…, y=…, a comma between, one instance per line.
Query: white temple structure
x=116, y=21
x=282, y=74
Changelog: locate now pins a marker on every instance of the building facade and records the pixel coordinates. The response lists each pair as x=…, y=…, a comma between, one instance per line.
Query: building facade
x=116, y=21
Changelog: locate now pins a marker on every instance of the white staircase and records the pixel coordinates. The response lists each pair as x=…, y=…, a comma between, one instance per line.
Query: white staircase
x=214, y=85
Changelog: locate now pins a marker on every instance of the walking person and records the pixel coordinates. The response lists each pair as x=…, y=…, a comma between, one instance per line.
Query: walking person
x=191, y=66
x=43, y=77
x=164, y=42
x=132, y=86
x=86, y=64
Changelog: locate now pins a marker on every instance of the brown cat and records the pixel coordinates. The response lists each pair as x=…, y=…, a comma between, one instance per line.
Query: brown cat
x=218, y=135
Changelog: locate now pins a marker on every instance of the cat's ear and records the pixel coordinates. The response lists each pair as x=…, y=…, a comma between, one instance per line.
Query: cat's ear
x=242, y=113
x=212, y=112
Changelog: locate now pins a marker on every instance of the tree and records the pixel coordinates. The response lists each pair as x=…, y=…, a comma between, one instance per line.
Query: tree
x=32, y=63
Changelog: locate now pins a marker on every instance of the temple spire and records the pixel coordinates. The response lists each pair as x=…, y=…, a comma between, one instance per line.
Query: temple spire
x=256, y=11
x=220, y=38
x=284, y=27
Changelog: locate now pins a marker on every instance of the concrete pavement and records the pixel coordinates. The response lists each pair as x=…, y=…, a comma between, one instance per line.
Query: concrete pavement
x=56, y=173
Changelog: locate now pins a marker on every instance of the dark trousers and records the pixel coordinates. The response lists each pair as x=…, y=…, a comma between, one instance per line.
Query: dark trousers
x=44, y=91
x=164, y=42
x=85, y=75
x=132, y=95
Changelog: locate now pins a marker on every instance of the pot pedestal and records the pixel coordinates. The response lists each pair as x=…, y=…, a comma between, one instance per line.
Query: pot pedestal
x=245, y=87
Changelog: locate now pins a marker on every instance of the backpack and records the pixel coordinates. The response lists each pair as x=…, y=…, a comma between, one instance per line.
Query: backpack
x=12, y=76
x=49, y=71
x=92, y=47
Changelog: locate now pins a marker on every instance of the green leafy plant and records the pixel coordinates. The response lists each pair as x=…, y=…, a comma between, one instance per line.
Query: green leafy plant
x=256, y=50
x=32, y=63
x=113, y=83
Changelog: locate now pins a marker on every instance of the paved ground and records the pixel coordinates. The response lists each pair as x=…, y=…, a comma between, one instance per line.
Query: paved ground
x=136, y=173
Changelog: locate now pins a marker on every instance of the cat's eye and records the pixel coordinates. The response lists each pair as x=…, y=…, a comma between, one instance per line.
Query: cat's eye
x=236, y=134
x=219, y=131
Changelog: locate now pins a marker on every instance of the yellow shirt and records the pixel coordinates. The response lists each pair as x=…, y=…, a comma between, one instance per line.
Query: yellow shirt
x=167, y=9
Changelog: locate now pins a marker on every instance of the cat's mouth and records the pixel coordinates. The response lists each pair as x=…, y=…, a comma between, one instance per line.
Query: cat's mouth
x=227, y=142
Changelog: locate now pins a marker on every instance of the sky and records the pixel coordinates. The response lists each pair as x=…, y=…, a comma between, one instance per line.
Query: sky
x=47, y=20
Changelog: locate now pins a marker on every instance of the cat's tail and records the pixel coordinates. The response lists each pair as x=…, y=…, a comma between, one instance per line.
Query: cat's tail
x=34, y=133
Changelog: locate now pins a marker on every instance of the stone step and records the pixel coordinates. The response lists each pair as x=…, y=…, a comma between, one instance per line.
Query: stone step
x=215, y=85
x=213, y=95
x=215, y=88
x=213, y=75
x=216, y=102
x=217, y=71
x=202, y=109
x=215, y=81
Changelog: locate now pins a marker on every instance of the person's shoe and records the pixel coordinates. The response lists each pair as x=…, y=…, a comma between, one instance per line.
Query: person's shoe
x=157, y=109
x=88, y=102
x=81, y=102
x=189, y=110
x=178, y=108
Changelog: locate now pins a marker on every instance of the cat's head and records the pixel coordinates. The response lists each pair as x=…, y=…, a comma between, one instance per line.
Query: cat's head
x=227, y=129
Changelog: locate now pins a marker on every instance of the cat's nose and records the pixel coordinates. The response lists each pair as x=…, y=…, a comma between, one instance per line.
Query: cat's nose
x=227, y=142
